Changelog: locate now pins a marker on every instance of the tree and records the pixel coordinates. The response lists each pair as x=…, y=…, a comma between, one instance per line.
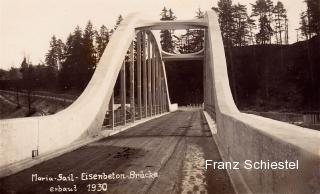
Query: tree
x=251, y=27
x=310, y=20
x=237, y=27
x=263, y=36
x=262, y=9
x=270, y=8
x=14, y=74
x=41, y=76
x=28, y=78
x=286, y=30
x=3, y=74
x=192, y=40
x=313, y=14
x=60, y=52
x=225, y=13
x=119, y=20
x=102, y=38
x=241, y=30
x=71, y=72
x=53, y=60
x=305, y=26
x=88, y=61
x=280, y=14
x=166, y=41
x=198, y=34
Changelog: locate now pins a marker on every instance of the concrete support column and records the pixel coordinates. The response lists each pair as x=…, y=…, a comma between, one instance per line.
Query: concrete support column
x=139, y=102
x=132, y=101
x=149, y=77
x=157, y=83
x=209, y=89
x=163, y=95
x=205, y=75
x=160, y=87
x=111, y=111
x=153, y=89
x=123, y=92
x=144, y=74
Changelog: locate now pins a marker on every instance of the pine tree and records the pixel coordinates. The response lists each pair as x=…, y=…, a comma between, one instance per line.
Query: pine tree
x=310, y=19
x=24, y=68
x=313, y=14
x=59, y=51
x=305, y=26
x=240, y=31
x=67, y=68
x=251, y=27
x=198, y=34
x=236, y=26
x=199, y=14
x=53, y=60
x=270, y=8
x=88, y=61
x=166, y=41
x=262, y=9
x=280, y=14
x=286, y=30
x=102, y=38
x=119, y=20
x=28, y=78
x=73, y=71
x=225, y=13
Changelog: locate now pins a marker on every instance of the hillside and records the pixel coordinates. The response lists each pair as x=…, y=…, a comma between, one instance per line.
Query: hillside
x=262, y=77
x=42, y=103
x=273, y=77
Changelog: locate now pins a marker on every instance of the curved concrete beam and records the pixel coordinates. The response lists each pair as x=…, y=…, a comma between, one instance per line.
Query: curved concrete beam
x=183, y=57
x=83, y=118
x=172, y=25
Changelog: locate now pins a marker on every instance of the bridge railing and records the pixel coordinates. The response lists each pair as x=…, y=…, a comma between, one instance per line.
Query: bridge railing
x=148, y=90
x=83, y=119
x=242, y=137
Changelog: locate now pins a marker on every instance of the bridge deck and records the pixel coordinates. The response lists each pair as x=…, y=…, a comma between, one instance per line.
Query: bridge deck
x=175, y=146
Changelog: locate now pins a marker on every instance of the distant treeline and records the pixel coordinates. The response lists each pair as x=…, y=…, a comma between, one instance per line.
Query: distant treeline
x=67, y=66
x=267, y=24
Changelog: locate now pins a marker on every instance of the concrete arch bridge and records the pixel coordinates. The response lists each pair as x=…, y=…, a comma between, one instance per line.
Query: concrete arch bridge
x=173, y=144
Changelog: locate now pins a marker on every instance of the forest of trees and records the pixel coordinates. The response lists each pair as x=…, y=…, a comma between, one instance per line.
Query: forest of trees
x=188, y=42
x=265, y=72
x=267, y=24
x=67, y=66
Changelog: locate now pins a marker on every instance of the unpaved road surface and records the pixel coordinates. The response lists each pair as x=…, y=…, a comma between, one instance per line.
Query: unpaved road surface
x=173, y=148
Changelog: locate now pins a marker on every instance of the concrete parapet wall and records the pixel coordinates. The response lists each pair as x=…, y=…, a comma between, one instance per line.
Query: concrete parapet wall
x=173, y=107
x=243, y=137
x=248, y=137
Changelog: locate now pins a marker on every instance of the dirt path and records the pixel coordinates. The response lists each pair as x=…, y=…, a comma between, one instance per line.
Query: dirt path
x=48, y=96
x=173, y=148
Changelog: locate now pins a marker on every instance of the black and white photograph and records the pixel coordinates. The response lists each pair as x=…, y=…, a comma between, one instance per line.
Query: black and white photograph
x=160, y=96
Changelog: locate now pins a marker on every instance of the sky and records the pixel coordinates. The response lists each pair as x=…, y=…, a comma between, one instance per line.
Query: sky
x=26, y=26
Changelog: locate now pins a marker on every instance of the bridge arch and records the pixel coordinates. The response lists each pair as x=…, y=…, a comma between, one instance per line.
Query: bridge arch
x=239, y=136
